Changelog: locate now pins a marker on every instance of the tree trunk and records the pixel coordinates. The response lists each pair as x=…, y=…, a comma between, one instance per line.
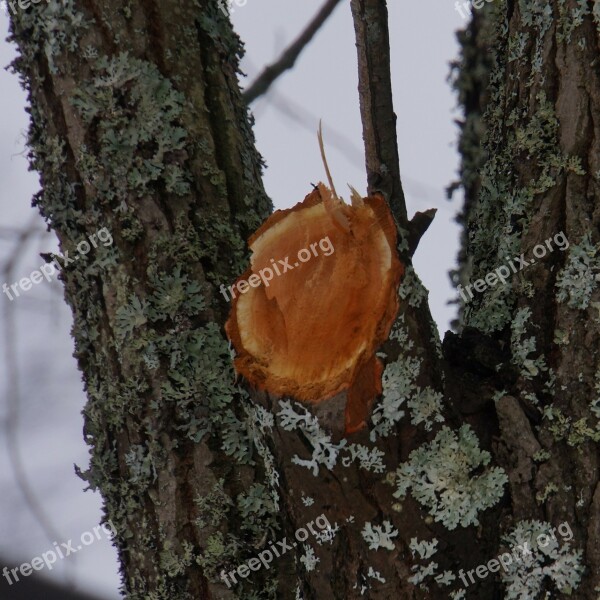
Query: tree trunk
x=531, y=91
x=139, y=131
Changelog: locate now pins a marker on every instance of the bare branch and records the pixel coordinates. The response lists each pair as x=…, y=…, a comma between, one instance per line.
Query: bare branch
x=376, y=105
x=13, y=393
x=417, y=227
x=287, y=106
x=23, y=237
x=287, y=60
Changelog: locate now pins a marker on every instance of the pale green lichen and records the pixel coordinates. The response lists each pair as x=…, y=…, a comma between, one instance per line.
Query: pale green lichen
x=53, y=27
x=498, y=394
x=398, y=383
x=269, y=591
x=403, y=237
x=595, y=403
x=309, y=559
x=141, y=466
x=541, y=456
x=522, y=347
x=516, y=45
x=555, y=562
x=565, y=428
x=219, y=550
x=136, y=116
x=400, y=333
x=538, y=15
x=258, y=422
x=327, y=535
x=569, y=21
x=541, y=497
x=503, y=207
x=422, y=572
x=412, y=289
x=175, y=563
x=370, y=459
x=579, y=278
x=532, y=398
x=235, y=438
x=363, y=584
x=379, y=536
x=399, y=389
x=425, y=550
x=324, y=451
x=442, y=477
x=307, y=500
x=258, y=508
x=561, y=338
x=596, y=13
x=446, y=578
x=372, y=574
x=213, y=507
x=426, y=407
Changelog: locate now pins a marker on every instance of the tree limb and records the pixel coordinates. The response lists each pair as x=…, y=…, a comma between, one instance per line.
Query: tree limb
x=13, y=388
x=376, y=104
x=287, y=60
x=417, y=227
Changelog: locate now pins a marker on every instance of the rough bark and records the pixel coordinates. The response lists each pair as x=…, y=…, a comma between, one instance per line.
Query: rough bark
x=138, y=125
x=530, y=171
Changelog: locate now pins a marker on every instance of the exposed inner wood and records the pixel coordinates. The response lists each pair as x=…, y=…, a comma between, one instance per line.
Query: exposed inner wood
x=312, y=331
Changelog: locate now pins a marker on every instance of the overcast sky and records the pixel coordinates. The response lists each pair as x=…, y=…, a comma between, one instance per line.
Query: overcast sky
x=322, y=85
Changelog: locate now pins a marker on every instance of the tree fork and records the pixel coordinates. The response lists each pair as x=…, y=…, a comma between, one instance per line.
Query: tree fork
x=138, y=125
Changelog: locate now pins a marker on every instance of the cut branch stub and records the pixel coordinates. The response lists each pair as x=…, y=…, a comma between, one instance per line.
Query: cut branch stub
x=318, y=300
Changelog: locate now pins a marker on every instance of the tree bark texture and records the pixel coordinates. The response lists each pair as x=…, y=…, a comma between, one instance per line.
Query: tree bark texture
x=533, y=177
x=138, y=125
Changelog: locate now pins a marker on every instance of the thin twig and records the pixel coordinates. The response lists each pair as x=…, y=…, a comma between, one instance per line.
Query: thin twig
x=12, y=425
x=287, y=60
x=424, y=192
x=296, y=112
x=8, y=232
x=13, y=394
x=22, y=236
x=324, y=159
x=376, y=104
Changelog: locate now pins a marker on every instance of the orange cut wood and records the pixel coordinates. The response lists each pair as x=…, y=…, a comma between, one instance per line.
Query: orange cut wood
x=312, y=330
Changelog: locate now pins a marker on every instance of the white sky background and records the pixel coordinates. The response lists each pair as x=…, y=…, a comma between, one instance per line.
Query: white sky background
x=322, y=85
